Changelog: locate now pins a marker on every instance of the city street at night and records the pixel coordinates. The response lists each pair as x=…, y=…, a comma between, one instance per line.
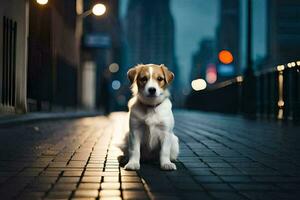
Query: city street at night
x=221, y=157
x=149, y=99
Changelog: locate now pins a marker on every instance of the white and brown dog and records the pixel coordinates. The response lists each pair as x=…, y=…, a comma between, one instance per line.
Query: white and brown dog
x=151, y=119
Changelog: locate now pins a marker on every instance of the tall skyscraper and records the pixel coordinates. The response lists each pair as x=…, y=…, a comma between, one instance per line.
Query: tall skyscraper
x=228, y=36
x=283, y=37
x=150, y=33
x=149, y=28
x=203, y=58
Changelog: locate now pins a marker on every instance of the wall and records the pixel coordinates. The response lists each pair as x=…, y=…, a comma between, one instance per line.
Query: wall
x=17, y=10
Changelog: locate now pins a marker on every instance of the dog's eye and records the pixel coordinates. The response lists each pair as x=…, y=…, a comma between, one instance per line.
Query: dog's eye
x=160, y=78
x=143, y=79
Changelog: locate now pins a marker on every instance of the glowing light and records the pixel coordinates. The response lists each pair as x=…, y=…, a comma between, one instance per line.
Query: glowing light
x=293, y=64
x=198, y=84
x=211, y=78
x=116, y=85
x=239, y=79
x=280, y=67
x=42, y=2
x=113, y=68
x=298, y=63
x=211, y=74
x=289, y=65
x=225, y=57
x=99, y=9
x=280, y=103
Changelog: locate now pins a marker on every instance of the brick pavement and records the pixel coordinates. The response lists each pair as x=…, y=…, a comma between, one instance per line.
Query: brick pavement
x=221, y=157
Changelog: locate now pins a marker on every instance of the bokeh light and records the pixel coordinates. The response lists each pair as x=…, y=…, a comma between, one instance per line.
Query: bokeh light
x=211, y=74
x=280, y=67
x=42, y=2
x=113, y=68
x=239, y=79
x=198, y=84
x=99, y=9
x=116, y=85
x=225, y=57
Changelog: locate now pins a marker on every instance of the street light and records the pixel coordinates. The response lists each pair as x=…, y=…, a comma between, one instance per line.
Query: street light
x=42, y=2
x=99, y=9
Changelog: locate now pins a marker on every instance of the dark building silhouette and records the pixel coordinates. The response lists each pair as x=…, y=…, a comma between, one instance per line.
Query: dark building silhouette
x=228, y=33
x=149, y=28
x=53, y=56
x=150, y=33
x=283, y=38
x=40, y=52
x=204, y=56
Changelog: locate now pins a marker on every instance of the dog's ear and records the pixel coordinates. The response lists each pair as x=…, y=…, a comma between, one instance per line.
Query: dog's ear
x=131, y=74
x=169, y=76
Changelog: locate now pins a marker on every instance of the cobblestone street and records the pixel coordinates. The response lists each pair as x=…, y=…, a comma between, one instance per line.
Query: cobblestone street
x=222, y=157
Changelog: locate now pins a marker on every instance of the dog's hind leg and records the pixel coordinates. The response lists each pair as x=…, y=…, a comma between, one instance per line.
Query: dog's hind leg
x=174, y=148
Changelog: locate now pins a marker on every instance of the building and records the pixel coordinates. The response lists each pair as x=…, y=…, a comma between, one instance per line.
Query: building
x=150, y=33
x=283, y=31
x=40, y=54
x=228, y=37
x=53, y=56
x=149, y=28
x=203, y=59
x=14, y=25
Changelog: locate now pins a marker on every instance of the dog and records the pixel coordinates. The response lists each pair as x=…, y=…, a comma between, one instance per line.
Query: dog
x=151, y=120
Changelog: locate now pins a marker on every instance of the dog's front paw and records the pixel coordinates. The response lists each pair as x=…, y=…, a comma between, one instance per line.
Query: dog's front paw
x=132, y=166
x=168, y=166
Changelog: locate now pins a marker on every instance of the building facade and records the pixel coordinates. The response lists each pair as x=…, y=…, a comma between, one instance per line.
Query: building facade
x=150, y=37
x=53, y=56
x=14, y=25
x=283, y=31
x=150, y=33
x=40, y=54
x=228, y=37
x=203, y=58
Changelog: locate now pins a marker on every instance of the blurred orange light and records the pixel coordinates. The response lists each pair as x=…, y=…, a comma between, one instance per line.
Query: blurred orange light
x=225, y=57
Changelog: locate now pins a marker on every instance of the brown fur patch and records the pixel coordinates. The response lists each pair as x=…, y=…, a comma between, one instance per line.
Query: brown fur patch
x=141, y=74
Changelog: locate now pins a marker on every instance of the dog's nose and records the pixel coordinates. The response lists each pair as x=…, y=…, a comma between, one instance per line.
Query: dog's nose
x=152, y=90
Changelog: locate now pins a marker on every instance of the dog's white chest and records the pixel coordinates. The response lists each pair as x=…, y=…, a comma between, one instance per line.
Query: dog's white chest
x=153, y=116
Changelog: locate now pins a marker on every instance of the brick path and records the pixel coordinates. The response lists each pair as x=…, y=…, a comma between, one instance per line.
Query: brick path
x=221, y=157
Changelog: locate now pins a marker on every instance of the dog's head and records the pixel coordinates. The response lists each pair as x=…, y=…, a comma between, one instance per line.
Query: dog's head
x=150, y=82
